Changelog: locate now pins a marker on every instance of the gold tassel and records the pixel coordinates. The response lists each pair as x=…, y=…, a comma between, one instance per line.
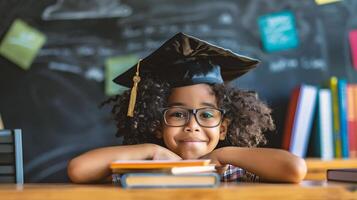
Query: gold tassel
x=134, y=90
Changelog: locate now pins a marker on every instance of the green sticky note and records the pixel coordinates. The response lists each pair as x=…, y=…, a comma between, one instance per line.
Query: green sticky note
x=115, y=66
x=21, y=44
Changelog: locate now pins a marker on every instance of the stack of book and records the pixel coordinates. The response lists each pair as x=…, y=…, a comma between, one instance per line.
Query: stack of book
x=164, y=173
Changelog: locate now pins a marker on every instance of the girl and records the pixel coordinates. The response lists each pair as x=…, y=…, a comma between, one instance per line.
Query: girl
x=179, y=108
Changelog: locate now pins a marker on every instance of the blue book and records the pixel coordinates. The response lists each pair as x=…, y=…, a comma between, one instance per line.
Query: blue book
x=342, y=105
x=166, y=180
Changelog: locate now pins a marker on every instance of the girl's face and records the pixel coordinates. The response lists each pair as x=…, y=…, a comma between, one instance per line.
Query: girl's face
x=193, y=141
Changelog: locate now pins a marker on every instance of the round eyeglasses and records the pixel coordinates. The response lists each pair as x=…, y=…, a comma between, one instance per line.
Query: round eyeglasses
x=205, y=117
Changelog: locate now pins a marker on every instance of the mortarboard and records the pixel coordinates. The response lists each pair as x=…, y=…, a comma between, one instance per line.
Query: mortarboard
x=185, y=60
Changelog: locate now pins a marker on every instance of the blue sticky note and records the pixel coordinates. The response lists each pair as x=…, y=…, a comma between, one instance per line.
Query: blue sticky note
x=278, y=31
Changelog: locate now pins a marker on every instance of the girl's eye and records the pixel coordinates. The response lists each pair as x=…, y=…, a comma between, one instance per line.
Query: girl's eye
x=206, y=115
x=177, y=114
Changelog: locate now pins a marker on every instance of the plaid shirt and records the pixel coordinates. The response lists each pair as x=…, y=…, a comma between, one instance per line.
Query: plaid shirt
x=237, y=174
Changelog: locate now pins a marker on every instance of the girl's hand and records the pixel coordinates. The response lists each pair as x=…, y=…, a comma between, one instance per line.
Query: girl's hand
x=215, y=159
x=161, y=153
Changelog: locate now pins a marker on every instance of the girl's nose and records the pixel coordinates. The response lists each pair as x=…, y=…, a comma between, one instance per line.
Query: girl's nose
x=192, y=125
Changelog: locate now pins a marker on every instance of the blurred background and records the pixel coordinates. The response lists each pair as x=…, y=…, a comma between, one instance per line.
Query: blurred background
x=51, y=86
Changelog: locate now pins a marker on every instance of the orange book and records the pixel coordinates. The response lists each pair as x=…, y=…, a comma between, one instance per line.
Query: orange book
x=156, y=164
x=352, y=120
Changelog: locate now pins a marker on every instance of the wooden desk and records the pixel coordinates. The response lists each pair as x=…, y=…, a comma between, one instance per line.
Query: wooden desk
x=317, y=168
x=304, y=190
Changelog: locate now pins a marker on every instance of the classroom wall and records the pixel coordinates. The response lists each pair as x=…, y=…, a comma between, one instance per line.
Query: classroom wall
x=56, y=101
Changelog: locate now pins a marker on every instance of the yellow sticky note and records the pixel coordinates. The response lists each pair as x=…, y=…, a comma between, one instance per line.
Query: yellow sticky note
x=21, y=44
x=320, y=2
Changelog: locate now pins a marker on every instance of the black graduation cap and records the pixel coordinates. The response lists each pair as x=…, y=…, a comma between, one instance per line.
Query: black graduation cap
x=185, y=60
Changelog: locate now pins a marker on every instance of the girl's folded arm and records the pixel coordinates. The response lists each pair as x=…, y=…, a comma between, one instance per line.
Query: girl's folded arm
x=271, y=165
x=93, y=166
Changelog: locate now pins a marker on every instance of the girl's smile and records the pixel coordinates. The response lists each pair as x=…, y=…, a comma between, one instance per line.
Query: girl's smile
x=192, y=141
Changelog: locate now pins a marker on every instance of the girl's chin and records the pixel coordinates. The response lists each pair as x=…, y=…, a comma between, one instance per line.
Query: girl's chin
x=188, y=156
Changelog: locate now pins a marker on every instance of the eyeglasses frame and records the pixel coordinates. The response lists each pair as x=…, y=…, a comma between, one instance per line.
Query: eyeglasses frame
x=192, y=112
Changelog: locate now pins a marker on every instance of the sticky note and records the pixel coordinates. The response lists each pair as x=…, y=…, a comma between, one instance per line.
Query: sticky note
x=321, y=2
x=21, y=44
x=353, y=47
x=115, y=66
x=278, y=31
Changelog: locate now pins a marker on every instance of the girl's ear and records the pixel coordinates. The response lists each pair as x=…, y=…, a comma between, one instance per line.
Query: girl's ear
x=158, y=134
x=223, y=129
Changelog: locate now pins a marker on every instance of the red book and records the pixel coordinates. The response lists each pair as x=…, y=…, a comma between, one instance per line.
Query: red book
x=355, y=112
x=289, y=120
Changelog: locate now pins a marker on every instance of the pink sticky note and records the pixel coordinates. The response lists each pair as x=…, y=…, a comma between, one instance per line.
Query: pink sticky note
x=353, y=44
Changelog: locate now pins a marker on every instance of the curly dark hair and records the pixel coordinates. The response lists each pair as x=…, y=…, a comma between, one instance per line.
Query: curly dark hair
x=248, y=116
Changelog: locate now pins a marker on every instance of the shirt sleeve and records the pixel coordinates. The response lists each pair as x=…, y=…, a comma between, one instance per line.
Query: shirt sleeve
x=236, y=174
x=116, y=179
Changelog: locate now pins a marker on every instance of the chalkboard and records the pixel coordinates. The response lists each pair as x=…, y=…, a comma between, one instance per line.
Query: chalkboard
x=55, y=102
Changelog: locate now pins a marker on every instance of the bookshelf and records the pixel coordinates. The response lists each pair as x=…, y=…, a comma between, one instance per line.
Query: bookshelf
x=316, y=168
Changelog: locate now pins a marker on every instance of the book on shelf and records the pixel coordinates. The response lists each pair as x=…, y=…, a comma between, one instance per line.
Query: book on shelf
x=289, y=121
x=164, y=173
x=345, y=175
x=342, y=103
x=302, y=120
x=333, y=82
x=335, y=120
x=352, y=119
x=321, y=141
x=355, y=119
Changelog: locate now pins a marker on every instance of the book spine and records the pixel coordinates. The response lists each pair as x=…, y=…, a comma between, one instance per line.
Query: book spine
x=351, y=118
x=355, y=114
x=325, y=124
x=304, y=118
x=355, y=119
x=336, y=121
x=125, y=183
x=290, y=118
x=18, y=156
x=342, y=85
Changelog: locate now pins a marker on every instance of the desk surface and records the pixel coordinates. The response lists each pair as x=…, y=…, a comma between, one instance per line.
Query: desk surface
x=304, y=190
